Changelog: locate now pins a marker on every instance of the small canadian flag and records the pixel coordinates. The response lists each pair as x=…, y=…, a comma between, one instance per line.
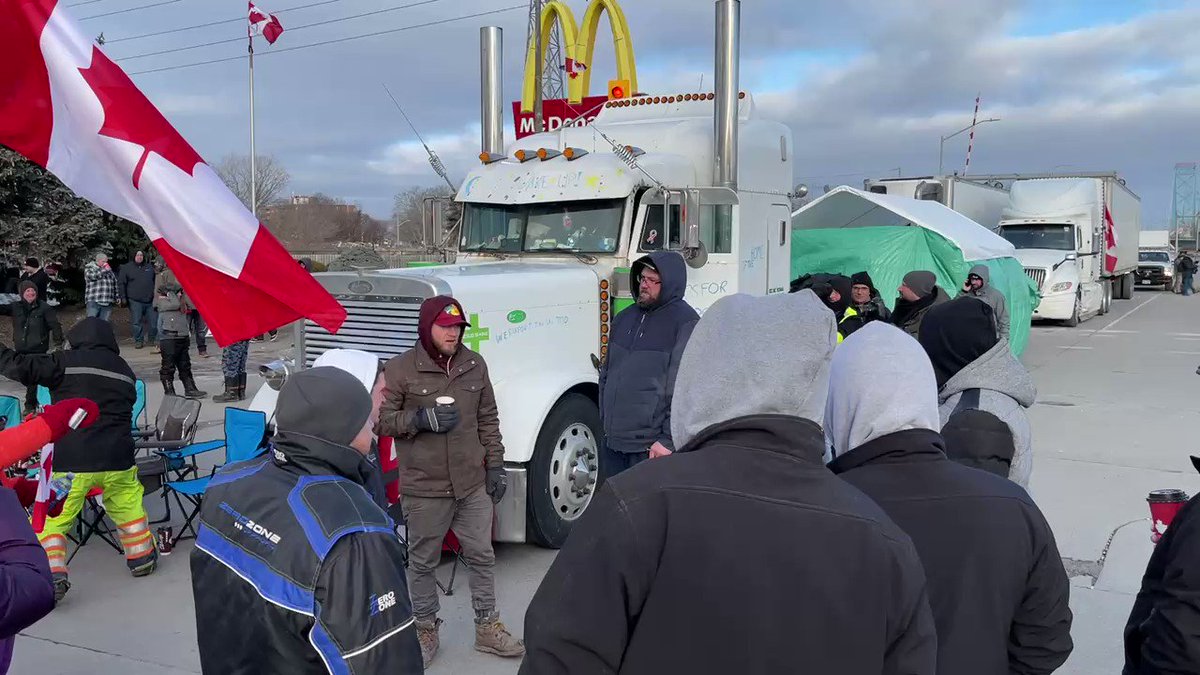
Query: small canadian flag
x=265, y=24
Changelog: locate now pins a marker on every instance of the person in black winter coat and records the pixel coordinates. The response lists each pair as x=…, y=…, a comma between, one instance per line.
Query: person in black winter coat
x=868, y=306
x=35, y=323
x=638, y=375
x=1163, y=632
x=997, y=586
x=100, y=456
x=740, y=553
x=135, y=287
x=296, y=568
x=918, y=293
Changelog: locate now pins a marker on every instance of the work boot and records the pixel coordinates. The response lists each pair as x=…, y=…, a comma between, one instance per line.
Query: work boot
x=190, y=390
x=232, y=393
x=61, y=586
x=492, y=637
x=145, y=565
x=427, y=637
x=169, y=386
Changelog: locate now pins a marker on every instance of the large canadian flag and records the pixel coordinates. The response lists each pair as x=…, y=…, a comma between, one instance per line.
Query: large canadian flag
x=66, y=106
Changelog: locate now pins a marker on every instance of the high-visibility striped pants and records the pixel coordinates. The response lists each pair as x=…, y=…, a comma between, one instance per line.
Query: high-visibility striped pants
x=122, y=500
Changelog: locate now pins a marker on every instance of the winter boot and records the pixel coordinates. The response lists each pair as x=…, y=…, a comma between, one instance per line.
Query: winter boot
x=492, y=637
x=190, y=390
x=427, y=637
x=145, y=565
x=242, y=386
x=61, y=586
x=169, y=386
x=232, y=393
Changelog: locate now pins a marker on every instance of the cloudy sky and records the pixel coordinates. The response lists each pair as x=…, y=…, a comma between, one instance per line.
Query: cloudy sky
x=867, y=86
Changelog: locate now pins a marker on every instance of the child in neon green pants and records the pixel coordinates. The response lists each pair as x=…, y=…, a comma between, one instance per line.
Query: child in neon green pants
x=122, y=498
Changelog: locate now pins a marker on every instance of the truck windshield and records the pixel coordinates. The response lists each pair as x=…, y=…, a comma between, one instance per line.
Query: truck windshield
x=591, y=226
x=1056, y=237
x=1154, y=257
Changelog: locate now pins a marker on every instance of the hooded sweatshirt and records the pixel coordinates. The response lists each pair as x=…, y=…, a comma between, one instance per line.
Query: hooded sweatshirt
x=91, y=368
x=645, y=345
x=983, y=401
x=992, y=297
x=997, y=586
x=660, y=556
x=305, y=586
x=430, y=309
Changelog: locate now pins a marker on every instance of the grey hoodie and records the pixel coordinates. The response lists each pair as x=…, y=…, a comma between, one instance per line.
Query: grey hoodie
x=1006, y=389
x=782, y=367
x=992, y=297
x=880, y=382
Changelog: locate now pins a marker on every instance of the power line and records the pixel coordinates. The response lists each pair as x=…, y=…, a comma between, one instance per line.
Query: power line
x=211, y=23
x=131, y=9
x=335, y=41
x=85, y=2
x=294, y=28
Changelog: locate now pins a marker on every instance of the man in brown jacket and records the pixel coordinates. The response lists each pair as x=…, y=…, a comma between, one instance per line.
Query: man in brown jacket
x=440, y=407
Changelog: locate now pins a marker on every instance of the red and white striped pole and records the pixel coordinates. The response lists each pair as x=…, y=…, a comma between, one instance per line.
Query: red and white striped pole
x=971, y=141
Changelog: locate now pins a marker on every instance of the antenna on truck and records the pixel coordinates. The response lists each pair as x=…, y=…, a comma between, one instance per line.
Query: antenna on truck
x=434, y=160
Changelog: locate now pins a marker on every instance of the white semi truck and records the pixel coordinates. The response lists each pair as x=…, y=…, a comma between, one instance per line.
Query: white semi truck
x=549, y=229
x=981, y=201
x=1060, y=228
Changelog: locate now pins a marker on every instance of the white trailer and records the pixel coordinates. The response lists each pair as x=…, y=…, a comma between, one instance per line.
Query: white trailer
x=981, y=201
x=1060, y=229
x=550, y=227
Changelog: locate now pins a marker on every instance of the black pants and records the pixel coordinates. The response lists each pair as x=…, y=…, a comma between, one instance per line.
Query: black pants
x=614, y=462
x=31, y=401
x=175, y=357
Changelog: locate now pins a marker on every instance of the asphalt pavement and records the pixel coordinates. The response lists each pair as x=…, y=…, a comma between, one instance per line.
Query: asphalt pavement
x=1114, y=405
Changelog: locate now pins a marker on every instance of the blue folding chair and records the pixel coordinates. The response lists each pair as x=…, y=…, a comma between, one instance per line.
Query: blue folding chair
x=10, y=412
x=244, y=433
x=139, y=405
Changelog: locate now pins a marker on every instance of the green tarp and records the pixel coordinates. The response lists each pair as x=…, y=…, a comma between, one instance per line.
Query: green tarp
x=888, y=253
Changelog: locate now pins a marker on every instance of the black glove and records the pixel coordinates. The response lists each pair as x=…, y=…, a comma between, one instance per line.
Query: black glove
x=496, y=483
x=439, y=419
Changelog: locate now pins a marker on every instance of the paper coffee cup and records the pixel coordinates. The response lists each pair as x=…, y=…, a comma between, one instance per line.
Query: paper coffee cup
x=1164, y=506
x=444, y=400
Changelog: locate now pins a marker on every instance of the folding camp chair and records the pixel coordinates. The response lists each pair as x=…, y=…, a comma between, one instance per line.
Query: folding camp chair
x=174, y=429
x=91, y=523
x=10, y=412
x=244, y=431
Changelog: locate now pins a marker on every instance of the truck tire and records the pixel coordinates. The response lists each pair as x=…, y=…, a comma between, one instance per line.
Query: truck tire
x=1074, y=320
x=1126, y=292
x=565, y=470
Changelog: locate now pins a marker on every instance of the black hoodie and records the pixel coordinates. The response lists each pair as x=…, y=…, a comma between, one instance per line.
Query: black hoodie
x=645, y=345
x=91, y=368
x=296, y=569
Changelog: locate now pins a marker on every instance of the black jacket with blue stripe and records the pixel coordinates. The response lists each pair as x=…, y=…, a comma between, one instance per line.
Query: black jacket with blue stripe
x=297, y=569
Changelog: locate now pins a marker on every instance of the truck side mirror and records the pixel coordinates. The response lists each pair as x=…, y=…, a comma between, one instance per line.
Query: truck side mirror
x=1072, y=256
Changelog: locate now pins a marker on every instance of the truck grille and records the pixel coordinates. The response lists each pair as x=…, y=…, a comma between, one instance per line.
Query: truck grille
x=1038, y=274
x=384, y=329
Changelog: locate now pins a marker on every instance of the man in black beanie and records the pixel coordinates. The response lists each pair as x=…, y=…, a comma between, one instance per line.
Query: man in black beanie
x=865, y=304
x=296, y=568
x=918, y=292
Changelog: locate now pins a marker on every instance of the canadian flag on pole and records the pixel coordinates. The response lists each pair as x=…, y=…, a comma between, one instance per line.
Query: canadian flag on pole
x=1110, y=242
x=265, y=24
x=66, y=106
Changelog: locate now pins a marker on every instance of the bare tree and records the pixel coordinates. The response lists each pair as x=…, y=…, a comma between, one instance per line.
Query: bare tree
x=408, y=214
x=272, y=178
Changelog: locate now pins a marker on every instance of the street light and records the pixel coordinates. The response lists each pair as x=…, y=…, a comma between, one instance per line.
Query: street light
x=942, y=145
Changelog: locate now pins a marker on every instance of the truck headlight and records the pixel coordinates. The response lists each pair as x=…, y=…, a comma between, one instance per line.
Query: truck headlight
x=1167, y=271
x=1061, y=286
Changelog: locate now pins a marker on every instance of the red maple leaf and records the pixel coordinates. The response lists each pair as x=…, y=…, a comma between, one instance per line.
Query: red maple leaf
x=130, y=116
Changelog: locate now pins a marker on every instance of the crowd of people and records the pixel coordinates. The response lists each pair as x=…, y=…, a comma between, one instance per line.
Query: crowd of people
x=857, y=504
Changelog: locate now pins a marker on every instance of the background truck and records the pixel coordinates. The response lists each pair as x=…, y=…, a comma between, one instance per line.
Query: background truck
x=550, y=226
x=1156, y=259
x=981, y=201
x=1060, y=228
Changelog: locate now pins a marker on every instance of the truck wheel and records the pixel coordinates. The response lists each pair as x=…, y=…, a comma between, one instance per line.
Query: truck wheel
x=1074, y=320
x=1126, y=292
x=564, y=471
